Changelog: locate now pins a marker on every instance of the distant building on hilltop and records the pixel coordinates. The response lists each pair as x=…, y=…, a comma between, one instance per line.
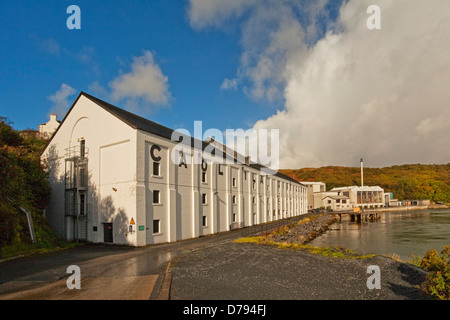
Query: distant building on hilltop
x=46, y=130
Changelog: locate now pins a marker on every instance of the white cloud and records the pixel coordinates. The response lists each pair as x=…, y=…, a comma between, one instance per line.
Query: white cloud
x=60, y=100
x=271, y=32
x=353, y=92
x=85, y=55
x=51, y=46
x=97, y=88
x=144, y=84
x=206, y=13
x=229, y=84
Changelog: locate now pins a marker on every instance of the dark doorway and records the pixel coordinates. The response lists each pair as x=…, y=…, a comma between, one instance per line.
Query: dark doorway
x=108, y=232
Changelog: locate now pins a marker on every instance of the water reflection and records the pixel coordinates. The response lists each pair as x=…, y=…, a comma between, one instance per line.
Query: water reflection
x=404, y=233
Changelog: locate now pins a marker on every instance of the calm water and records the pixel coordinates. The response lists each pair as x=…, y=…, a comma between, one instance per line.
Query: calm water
x=403, y=233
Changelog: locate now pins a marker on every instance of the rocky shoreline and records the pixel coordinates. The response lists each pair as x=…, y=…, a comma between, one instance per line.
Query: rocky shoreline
x=305, y=230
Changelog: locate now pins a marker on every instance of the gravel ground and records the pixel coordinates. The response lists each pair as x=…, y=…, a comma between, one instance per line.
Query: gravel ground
x=256, y=272
x=243, y=271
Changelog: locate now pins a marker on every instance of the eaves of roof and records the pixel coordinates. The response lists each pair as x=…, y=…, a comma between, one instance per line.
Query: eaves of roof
x=152, y=127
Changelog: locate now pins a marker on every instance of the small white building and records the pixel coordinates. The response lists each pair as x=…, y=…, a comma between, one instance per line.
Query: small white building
x=334, y=201
x=366, y=197
x=113, y=180
x=343, y=198
x=314, y=189
x=47, y=129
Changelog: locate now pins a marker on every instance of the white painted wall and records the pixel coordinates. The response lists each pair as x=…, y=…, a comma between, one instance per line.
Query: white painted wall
x=111, y=146
x=47, y=129
x=228, y=195
x=122, y=185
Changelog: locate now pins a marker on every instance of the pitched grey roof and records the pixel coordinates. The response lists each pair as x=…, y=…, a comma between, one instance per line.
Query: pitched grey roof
x=132, y=119
x=149, y=126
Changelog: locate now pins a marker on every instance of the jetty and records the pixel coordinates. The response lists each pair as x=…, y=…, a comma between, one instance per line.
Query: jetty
x=358, y=215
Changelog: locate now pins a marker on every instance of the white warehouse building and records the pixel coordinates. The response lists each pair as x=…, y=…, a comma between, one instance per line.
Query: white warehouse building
x=113, y=180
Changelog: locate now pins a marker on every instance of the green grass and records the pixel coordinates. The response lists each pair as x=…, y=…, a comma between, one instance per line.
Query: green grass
x=334, y=252
x=23, y=248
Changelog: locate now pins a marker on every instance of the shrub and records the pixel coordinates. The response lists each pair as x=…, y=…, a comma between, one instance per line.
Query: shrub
x=438, y=280
x=23, y=182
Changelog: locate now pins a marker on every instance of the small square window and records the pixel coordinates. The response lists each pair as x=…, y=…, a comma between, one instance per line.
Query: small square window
x=204, y=221
x=155, y=226
x=233, y=199
x=156, y=196
x=156, y=168
x=204, y=198
x=203, y=176
x=234, y=217
x=234, y=182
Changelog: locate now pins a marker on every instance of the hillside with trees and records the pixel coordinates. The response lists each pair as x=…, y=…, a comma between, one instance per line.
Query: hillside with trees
x=23, y=183
x=407, y=182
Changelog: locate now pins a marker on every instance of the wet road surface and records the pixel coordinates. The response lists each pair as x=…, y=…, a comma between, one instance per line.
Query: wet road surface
x=107, y=271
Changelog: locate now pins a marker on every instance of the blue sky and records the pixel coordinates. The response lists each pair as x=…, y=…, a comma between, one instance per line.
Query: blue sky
x=336, y=89
x=39, y=53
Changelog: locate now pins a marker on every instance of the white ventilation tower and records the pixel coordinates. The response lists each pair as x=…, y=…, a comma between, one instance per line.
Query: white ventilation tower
x=362, y=173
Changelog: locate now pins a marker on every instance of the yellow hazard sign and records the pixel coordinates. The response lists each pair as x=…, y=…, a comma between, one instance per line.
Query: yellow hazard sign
x=132, y=221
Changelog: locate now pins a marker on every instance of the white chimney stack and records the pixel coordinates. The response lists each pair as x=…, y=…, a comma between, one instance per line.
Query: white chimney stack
x=362, y=173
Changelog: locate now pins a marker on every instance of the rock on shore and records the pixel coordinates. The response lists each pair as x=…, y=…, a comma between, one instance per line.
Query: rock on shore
x=305, y=230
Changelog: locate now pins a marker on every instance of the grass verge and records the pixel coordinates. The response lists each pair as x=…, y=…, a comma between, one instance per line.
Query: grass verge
x=334, y=252
x=24, y=249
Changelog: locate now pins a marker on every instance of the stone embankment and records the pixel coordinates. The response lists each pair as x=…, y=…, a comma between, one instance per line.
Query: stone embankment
x=304, y=230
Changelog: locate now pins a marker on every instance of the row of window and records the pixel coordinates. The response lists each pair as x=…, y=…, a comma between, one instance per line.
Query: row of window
x=157, y=198
x=157, y=224
x=157, y=173
x=344, y=201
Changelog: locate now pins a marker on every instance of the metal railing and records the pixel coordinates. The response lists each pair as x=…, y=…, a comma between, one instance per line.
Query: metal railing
x=76, y=152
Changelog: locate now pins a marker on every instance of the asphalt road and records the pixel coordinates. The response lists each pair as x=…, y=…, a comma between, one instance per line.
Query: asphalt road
x=106, y=271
